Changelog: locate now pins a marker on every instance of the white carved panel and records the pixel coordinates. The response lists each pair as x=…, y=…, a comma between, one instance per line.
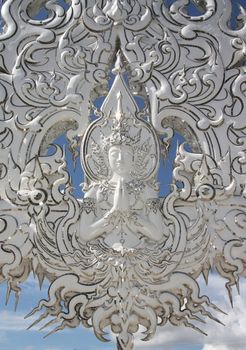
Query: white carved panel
x=122, y=256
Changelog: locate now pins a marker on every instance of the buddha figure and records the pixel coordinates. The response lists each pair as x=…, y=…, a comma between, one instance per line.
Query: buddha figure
x=120, y=158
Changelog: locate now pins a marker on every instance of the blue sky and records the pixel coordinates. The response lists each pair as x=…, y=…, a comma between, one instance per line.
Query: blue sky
x=14, y=336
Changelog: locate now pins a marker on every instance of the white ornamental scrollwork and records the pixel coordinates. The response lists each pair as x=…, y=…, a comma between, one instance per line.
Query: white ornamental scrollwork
x=123, y=256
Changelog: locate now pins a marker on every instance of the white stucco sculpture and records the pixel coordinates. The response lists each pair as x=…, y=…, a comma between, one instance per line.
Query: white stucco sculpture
x=123, y=256
x=122, y=165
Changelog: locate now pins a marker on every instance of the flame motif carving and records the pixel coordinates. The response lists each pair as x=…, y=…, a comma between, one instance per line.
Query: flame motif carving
x=123, y=256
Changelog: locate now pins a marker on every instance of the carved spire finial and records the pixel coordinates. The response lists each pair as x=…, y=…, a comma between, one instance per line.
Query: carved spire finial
x=119, y=92
x=119, y=66
x=119, y=111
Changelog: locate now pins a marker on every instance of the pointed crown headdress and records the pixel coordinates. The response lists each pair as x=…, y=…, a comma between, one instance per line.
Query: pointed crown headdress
x=119, y=125
x=120, y=129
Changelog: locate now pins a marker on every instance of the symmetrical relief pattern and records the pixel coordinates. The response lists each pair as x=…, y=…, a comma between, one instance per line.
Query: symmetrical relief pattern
x=122, y=257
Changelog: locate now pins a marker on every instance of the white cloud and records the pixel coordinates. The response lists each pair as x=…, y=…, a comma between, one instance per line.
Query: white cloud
x=215, y=347
x=230, y=337
x=169, y=336
x=3, y=337
x=10, y=321
x=29, y=348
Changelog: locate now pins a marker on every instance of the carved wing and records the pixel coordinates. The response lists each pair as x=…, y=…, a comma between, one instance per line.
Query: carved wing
x=214, y=217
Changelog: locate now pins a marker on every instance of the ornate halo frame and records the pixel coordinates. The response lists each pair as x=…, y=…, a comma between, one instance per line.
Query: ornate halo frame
x=112, y=114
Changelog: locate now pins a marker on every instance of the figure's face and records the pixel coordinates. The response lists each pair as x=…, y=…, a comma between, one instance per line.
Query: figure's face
x=121, y=159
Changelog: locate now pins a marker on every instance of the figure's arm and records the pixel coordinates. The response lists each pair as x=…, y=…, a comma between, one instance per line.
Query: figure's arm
x=153, y=227
x=149, y=224
x=90, y=227
x=150, y=221
x=90, y=230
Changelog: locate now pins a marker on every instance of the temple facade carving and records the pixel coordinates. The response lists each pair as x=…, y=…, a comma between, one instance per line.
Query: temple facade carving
x=119, y=79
